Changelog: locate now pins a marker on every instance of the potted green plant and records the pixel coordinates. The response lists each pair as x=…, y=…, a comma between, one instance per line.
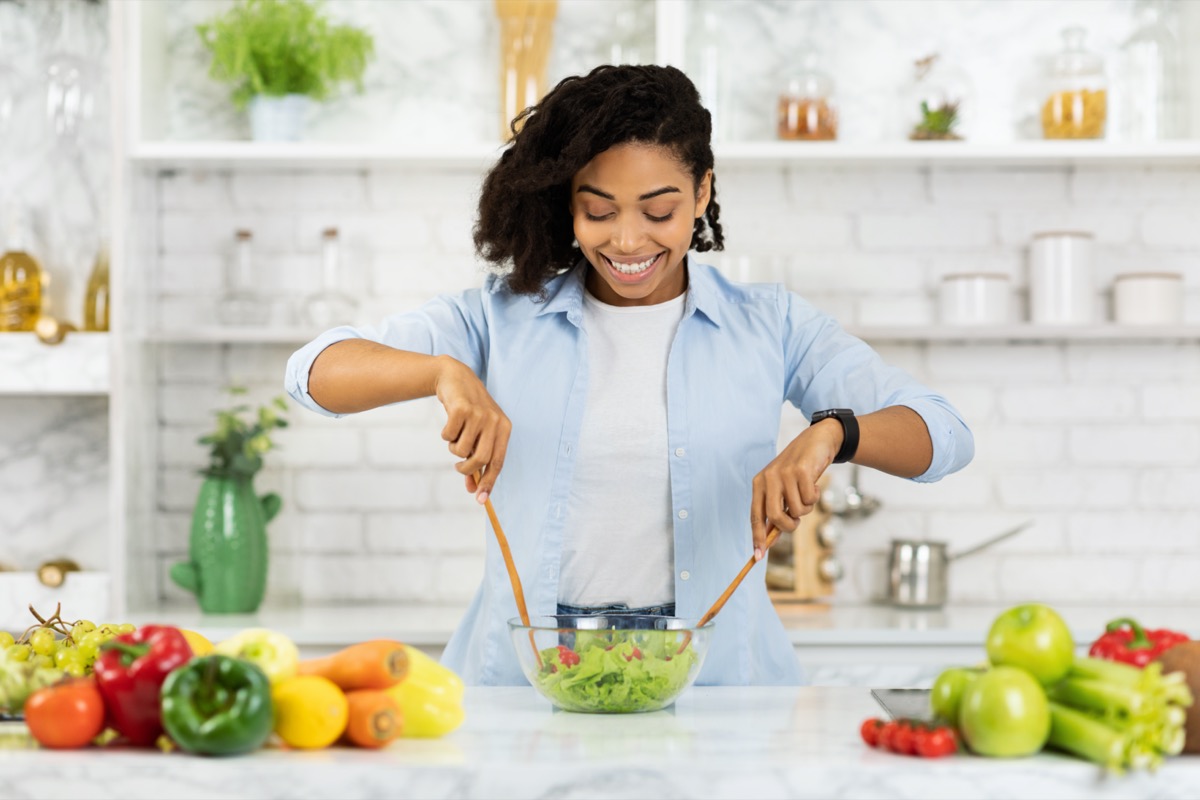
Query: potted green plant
x=227, y=565
x=280, y=55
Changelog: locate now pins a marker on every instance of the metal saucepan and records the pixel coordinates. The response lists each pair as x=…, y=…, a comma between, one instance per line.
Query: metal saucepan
x=917, y=569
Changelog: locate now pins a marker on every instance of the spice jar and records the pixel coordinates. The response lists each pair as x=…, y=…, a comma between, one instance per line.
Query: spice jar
x=806, y=109
x=1077, y=104
x=936, y=99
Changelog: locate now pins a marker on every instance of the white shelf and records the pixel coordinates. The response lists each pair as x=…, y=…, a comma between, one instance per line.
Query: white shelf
x=478, y=156
x=77, y=365
x=1026, y=333
x=230, y=335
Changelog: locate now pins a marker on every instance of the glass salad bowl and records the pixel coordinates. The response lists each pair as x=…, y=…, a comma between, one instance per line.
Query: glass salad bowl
x=610, y=664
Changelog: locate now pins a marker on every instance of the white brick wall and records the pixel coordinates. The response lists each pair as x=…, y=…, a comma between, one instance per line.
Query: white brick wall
x=1098, y=443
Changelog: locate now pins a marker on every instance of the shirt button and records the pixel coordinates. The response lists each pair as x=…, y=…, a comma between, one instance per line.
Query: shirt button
x=679, y=451
x=685, y=575
x=683, y=513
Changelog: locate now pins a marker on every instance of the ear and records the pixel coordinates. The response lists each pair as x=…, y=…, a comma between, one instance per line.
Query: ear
x=703, y=194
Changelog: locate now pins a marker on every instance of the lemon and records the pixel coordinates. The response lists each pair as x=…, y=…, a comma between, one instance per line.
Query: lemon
x=310, y=711
x=200, y=645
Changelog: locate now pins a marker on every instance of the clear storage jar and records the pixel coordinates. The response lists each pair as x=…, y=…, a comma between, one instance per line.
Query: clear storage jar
x=806, y=109
x=1076, y=104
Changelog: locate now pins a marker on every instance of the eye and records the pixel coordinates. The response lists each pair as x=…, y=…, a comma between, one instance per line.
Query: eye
x=595, y=218
x=664, y=218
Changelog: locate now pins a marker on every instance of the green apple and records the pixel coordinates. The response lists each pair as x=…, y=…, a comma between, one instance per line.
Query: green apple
x=1034, y=638
x=946, y=695
x=1004, y=714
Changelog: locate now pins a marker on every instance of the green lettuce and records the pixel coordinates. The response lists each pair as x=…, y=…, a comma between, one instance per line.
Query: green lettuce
x=616, y=672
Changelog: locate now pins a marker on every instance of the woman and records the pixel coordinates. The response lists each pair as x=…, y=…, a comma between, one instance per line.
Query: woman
x=619, y=401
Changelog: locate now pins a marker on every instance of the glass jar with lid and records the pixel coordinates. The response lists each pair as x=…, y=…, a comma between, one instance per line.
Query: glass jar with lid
x=806, y=109
x=1076, y=104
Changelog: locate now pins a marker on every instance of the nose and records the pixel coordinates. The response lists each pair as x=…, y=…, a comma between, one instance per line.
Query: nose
x=627, y=233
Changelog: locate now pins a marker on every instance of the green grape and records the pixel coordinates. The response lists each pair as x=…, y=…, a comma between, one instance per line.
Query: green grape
x=6, y=640
x=42, y=661
x=18, y=652
x=43, y=641
x=81, y=627
x=127, y=627
x=75, y=669
x=88, y=650
x=66, y=658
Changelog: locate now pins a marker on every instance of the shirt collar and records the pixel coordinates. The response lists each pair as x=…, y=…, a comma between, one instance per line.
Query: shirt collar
x=565, y=293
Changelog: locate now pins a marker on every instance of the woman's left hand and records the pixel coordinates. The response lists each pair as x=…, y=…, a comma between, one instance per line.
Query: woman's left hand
x=786, y=489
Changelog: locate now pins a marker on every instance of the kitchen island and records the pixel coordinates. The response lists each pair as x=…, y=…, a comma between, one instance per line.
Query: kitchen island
x=715, y=742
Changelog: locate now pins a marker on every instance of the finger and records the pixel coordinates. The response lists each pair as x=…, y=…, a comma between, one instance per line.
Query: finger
x=470, y=481
x=810, y=493
x=466, y=442
x=454, y=425
x=796, y=507
x=481, y=456
x=496, y=464
x=758, y=517
x=779, y=517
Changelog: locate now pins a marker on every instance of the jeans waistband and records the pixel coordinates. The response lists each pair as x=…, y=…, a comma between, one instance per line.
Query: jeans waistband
x=663, y=610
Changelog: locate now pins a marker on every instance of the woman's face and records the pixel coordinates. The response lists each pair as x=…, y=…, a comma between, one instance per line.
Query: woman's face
x=634, y=208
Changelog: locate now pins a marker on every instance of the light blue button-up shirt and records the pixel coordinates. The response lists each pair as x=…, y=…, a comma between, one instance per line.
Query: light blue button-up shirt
x=740, y=352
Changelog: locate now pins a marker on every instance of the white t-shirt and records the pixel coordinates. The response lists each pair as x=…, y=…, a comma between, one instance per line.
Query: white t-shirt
x=619, y=542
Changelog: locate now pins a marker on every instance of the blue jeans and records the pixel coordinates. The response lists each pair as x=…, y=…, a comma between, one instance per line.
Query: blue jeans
x=618, y=609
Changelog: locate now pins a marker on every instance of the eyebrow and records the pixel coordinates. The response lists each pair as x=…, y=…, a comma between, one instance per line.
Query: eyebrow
x=648, y=195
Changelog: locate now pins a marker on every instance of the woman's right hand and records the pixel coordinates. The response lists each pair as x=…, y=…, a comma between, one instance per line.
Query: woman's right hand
x=476, y=429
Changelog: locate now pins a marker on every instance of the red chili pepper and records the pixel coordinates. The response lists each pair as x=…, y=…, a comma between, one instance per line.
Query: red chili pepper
x=130, y=671
x=1128, y=642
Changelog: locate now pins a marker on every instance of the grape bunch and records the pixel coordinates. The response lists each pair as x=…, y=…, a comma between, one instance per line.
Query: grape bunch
x=56, y=643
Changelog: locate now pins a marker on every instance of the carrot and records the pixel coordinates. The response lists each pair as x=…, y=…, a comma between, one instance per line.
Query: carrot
x=376, y=664
x=375, y=718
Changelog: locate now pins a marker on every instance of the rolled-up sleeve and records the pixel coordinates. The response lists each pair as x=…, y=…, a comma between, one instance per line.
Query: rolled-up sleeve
x=452, y=325
x=829, y=368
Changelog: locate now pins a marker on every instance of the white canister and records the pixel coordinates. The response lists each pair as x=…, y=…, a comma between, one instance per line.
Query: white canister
x=1061, y=287
x=1148, y=298
x=974, y=298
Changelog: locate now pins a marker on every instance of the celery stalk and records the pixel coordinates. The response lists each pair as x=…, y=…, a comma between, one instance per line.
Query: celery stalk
x=1093, y=695
x=1087, y=737
x=1107, y=671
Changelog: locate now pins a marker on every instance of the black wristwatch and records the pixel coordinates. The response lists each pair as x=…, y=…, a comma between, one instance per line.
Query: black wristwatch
x=849, y=431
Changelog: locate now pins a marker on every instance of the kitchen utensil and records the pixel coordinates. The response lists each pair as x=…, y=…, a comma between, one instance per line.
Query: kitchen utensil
x=513, y=577
x=633, y=662
x=917, y=569
x=904, y=703
x=772, y=535
x=849, y=502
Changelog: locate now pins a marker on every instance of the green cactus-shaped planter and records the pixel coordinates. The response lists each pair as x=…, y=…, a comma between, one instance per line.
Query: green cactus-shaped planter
x=228, y=548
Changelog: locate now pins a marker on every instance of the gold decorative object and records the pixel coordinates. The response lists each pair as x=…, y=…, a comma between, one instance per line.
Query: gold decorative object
x=54, y=573
x=526, y=32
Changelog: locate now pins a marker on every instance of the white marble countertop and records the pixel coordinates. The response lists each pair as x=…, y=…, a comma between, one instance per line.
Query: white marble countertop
x=833, y=625
x=730, y=742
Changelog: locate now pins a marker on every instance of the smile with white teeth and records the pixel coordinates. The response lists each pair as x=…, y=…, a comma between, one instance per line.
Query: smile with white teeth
x=632, y=268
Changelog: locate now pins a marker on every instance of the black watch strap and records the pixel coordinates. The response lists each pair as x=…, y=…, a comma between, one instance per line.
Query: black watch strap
x=849, y=431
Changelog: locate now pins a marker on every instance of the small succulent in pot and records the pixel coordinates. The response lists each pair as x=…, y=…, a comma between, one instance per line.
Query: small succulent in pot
x=237, y=445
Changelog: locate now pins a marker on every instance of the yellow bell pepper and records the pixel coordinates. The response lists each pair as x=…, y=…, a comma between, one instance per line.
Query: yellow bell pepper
x=430, y=697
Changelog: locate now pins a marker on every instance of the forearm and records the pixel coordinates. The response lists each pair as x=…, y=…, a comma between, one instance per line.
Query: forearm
x=894, y=440
x=357, y=375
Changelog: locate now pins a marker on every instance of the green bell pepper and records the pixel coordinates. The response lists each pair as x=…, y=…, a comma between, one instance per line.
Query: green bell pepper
x=218, y=706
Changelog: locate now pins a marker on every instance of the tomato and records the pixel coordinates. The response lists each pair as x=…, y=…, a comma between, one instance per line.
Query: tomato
x=946, y=694
x=869, y=731
x=66, y=715
x=902, y=739
x=886, y=732
x=936, y=742
x=1005, y=713
x=1034, y=638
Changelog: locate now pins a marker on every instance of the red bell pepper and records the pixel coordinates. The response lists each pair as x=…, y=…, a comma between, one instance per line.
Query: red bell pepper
x=130, y=671
x=1128, y=642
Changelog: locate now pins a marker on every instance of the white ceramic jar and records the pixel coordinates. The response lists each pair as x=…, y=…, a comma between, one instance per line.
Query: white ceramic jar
x=974, y=298
x=1148, y=298
x=1061, y=287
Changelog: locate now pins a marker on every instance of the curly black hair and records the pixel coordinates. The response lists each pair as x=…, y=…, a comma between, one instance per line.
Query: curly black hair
x=525, y=224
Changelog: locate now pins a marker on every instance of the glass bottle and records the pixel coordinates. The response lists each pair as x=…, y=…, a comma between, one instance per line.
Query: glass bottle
x=937, y=100
x=332, y=305
x=1076, y=106
x=1150, y=100
x=806, y=110
x=96, y=300
x=240, y=305
x=20, y=274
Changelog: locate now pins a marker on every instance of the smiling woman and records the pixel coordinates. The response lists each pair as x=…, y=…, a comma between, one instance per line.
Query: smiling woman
x=619, y=400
